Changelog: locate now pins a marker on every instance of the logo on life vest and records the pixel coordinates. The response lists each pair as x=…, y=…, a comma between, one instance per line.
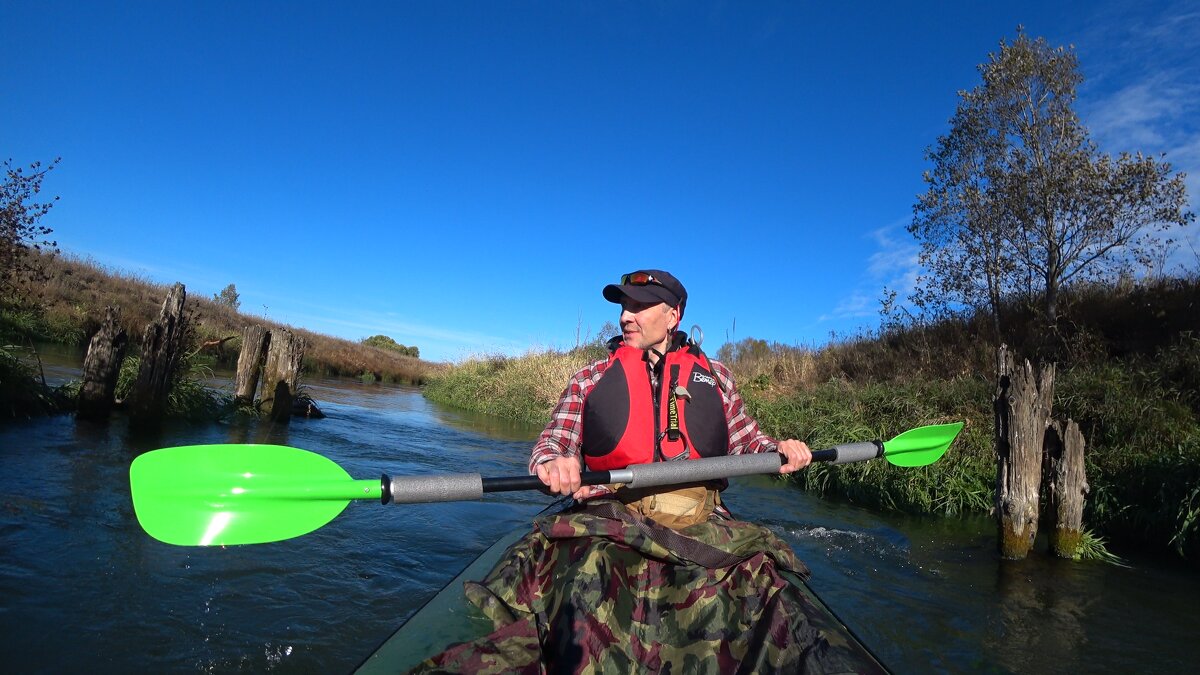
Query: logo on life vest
x=706, y=379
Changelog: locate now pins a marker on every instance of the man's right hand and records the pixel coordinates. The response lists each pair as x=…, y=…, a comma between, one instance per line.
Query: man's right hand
x=561, y=475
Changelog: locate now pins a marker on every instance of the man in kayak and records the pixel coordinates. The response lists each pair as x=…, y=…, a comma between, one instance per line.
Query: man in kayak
x=656, y=398
x=649, y=582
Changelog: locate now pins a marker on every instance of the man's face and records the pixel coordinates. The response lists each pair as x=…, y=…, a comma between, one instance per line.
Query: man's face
x=646, y=325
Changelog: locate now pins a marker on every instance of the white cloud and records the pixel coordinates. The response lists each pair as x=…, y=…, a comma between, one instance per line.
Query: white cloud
x=1143, y=88
x=856, y=306
x=892, y=265
x=1135, y=116
x=1143, y=95
x=895, y=265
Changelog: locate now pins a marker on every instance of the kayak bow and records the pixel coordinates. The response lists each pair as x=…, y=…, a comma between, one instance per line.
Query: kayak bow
x=448, y=618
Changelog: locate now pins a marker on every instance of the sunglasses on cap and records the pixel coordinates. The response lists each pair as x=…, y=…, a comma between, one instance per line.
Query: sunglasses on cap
x=639, y=279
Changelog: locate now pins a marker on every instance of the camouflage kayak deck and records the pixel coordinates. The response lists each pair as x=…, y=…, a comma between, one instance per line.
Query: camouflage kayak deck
x=629, y=598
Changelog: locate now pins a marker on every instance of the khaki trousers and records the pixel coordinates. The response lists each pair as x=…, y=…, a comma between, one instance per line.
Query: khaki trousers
x=676, y=508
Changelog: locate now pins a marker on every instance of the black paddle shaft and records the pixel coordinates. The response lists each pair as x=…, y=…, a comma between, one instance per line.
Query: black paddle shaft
x=467, y=486
x=519, y=483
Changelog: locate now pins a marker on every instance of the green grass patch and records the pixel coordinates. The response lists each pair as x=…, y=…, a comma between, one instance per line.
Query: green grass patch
x=839, y=412
x=1142, y=426
x=1094, y=547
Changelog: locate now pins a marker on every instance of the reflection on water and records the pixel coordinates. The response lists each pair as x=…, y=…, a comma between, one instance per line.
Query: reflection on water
x=84, y=589
x=1039, y=618
x=487, y=425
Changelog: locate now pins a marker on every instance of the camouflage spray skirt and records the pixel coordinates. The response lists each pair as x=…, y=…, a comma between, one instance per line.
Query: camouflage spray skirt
x=599, y=590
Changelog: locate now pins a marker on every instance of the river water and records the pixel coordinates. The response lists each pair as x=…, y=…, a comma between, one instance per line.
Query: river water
x=83, y=589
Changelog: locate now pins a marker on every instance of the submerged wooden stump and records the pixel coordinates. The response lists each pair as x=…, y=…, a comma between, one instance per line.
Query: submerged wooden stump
x=281, y=374
x=162, y=346
x=255, y=341
x=1022, y=406
x=1067, y=487
x=101, y=367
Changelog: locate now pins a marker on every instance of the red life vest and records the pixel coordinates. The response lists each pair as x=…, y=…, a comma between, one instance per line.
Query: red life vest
x=625, y=421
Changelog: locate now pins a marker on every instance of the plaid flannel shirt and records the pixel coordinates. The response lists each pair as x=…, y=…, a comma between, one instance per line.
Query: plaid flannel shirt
x=562, y=437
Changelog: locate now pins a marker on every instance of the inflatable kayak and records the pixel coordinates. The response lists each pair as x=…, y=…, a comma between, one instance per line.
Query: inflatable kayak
x=450, y=619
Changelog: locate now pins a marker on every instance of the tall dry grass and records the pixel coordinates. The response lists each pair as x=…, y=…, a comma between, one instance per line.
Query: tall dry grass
x=1098, y=323
x=523, y=388
x=69, y=307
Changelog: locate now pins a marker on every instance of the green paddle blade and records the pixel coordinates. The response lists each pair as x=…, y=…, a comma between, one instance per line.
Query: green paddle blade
x=921, y=446
x=214, y=495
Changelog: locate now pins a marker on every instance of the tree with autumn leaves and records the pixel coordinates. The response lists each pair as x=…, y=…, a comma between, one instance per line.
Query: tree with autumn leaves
x=1020, y=202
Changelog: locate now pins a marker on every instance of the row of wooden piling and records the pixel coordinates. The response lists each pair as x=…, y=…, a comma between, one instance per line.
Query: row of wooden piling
x=271, y=356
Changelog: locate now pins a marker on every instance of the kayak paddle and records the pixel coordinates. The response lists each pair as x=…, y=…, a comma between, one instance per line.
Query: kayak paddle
x=204, y=495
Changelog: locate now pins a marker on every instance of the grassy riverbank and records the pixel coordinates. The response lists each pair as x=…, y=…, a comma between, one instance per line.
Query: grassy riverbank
x=523, y=388
x=1128, y=372
x=69, y=306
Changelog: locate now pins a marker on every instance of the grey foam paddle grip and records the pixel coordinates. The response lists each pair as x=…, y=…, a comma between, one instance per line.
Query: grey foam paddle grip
x=855, y=452
x=695, y=470
x=449, y=487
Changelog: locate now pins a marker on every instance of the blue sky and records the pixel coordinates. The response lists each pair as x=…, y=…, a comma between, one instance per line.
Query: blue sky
x=466, y=177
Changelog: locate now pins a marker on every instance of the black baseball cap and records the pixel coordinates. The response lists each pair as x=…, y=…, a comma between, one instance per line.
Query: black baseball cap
x=649, y=286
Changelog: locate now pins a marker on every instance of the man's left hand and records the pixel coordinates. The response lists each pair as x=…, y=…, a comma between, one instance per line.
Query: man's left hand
x=796, y=455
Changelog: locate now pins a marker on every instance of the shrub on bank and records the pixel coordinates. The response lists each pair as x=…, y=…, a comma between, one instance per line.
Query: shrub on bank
x=1141, y=418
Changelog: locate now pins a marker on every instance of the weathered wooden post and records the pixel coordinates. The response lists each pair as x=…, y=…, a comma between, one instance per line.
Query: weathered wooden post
x=162, y=344
x=281, y=374
x=101, y=367
x=1067, y=487
x=1022, y=406
x=255, y=340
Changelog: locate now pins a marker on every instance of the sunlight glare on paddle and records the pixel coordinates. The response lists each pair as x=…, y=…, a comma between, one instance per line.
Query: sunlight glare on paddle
x=215, y=527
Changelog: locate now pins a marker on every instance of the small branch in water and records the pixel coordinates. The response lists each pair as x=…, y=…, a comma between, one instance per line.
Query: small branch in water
x=38, y=358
